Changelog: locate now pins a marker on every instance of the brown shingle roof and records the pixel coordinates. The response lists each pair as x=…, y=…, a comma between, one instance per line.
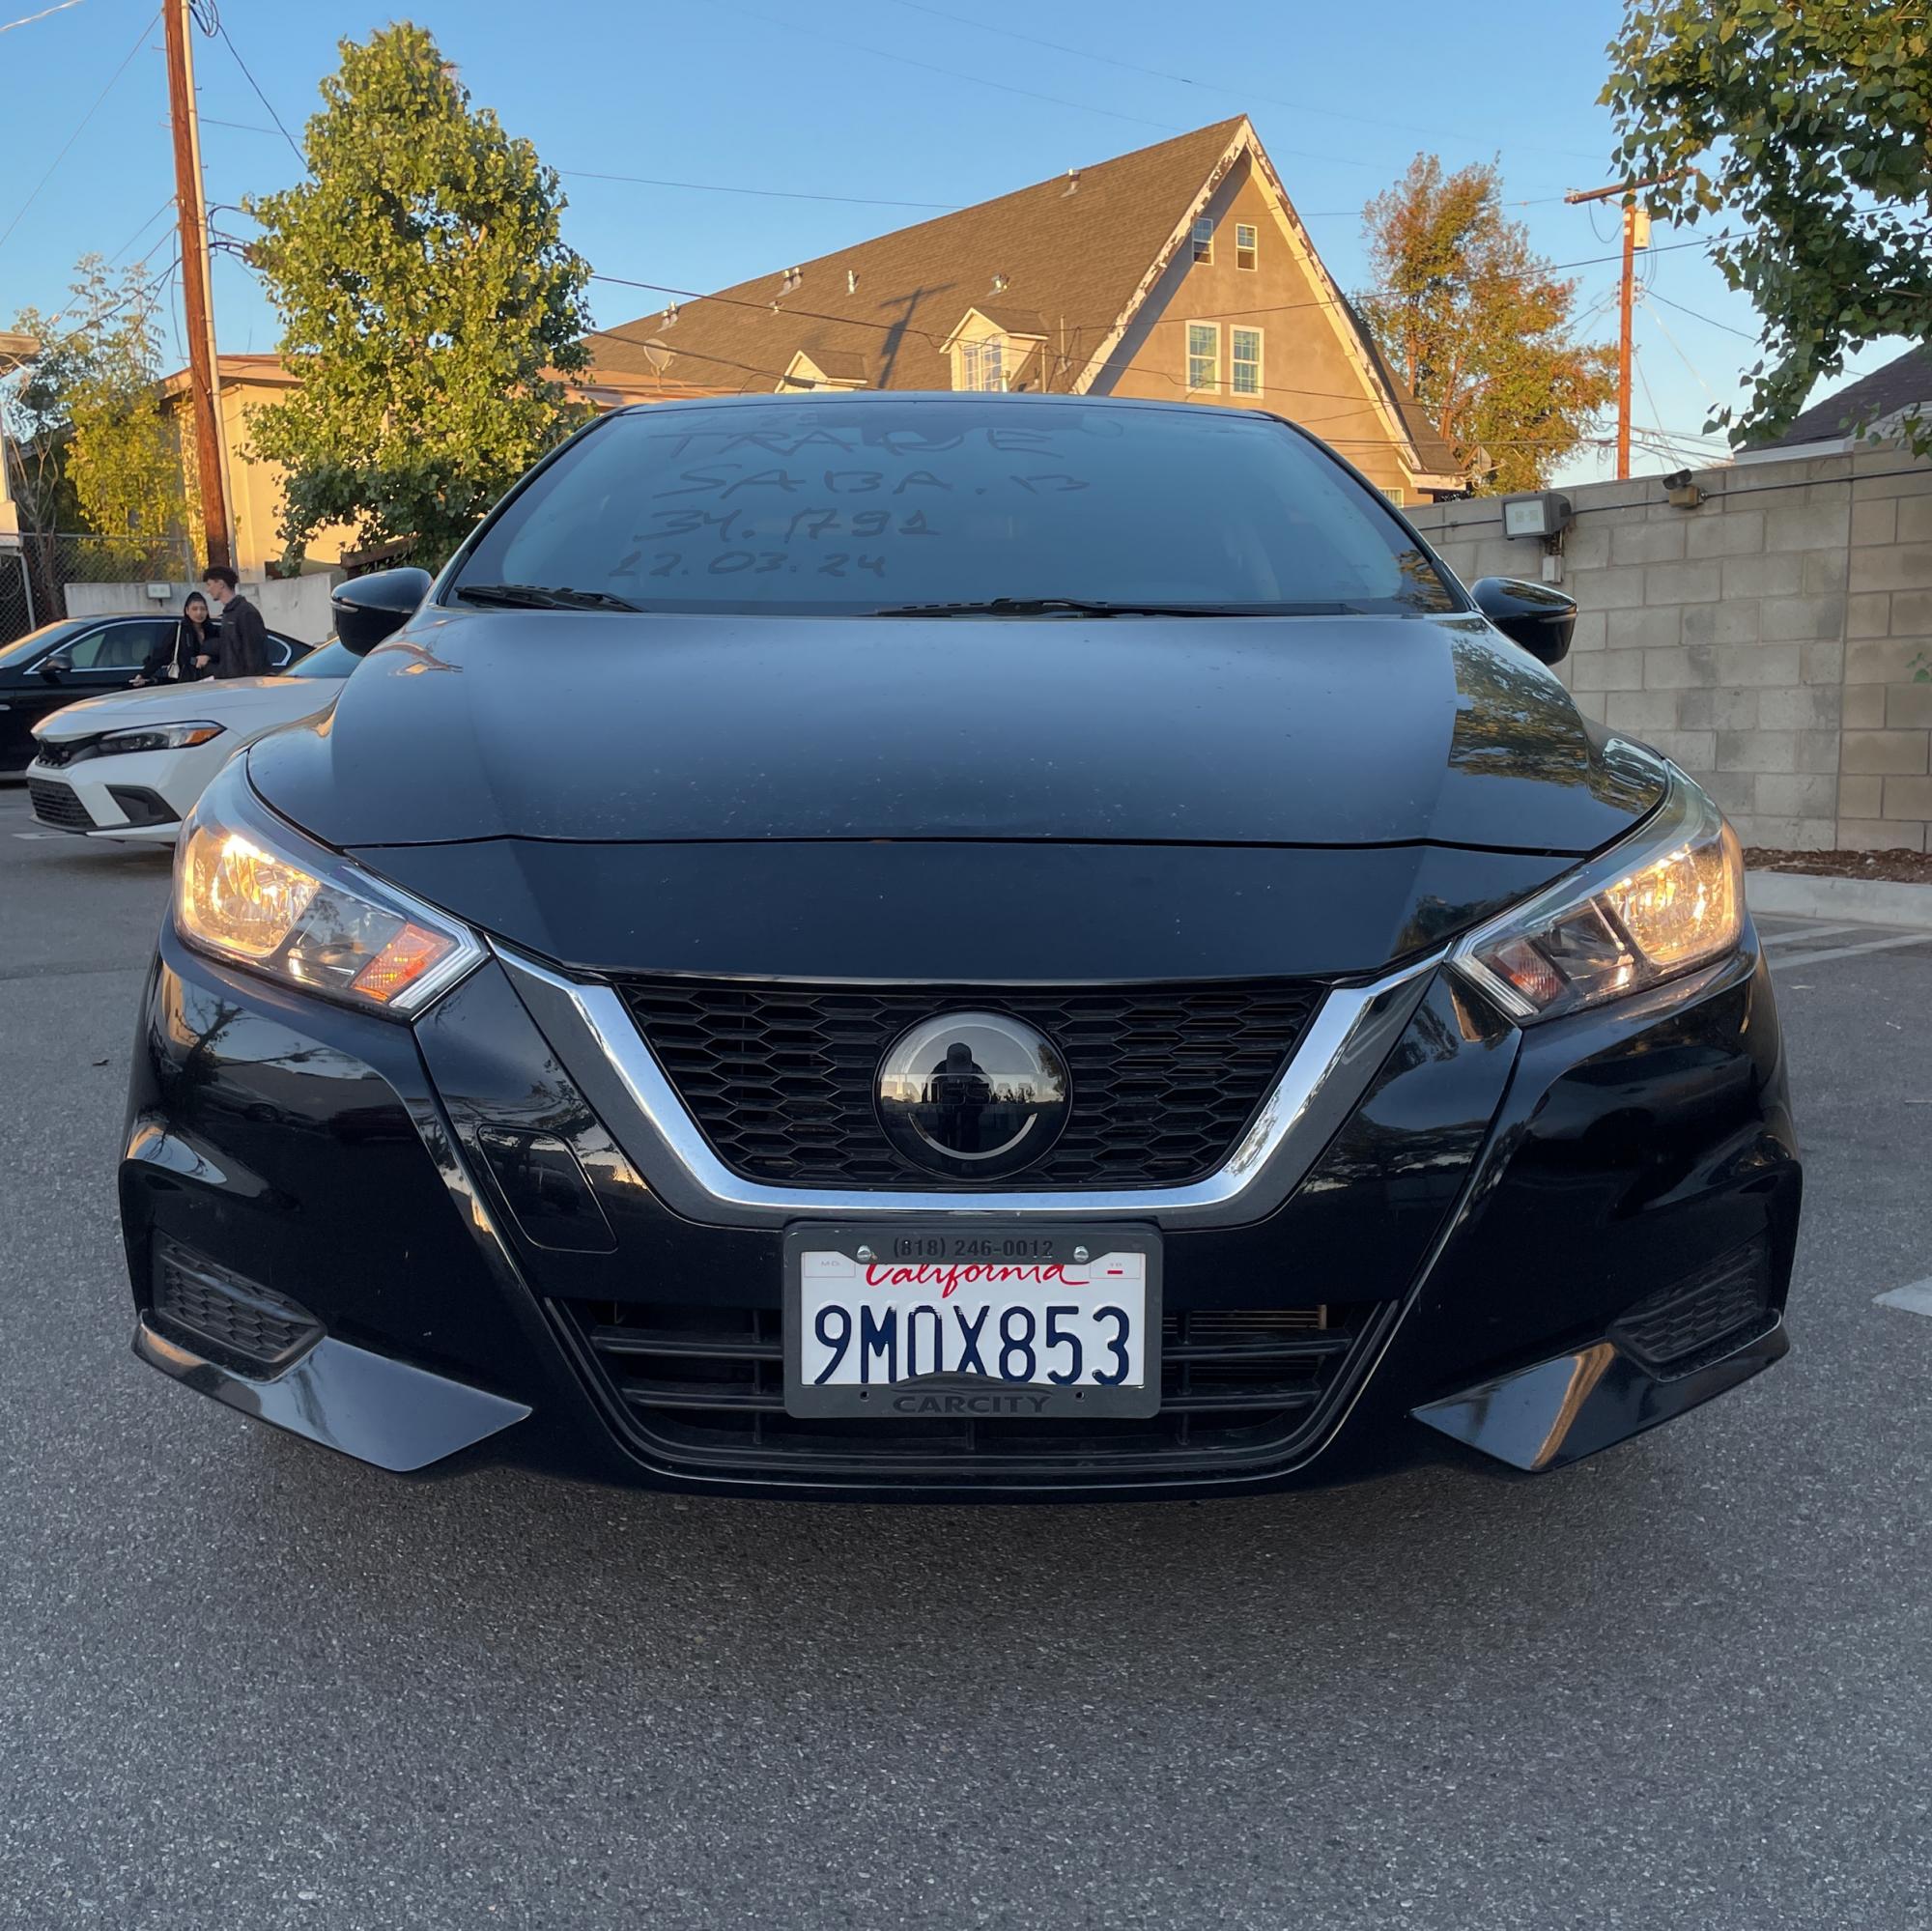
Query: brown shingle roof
x=1072, y=250
x=1902, y=383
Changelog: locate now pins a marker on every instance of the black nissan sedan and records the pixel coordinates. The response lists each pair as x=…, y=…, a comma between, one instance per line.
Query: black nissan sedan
x=956, y=946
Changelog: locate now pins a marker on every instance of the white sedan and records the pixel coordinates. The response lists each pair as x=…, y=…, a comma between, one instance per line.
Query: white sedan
x=130, y=767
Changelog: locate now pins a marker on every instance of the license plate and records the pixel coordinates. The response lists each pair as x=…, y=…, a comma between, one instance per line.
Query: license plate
x=988, y=1321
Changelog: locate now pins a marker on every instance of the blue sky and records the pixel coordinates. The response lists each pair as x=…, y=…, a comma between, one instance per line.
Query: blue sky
x=873, y=101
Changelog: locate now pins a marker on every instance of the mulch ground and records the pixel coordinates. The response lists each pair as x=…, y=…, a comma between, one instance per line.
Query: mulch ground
x=1908, y=867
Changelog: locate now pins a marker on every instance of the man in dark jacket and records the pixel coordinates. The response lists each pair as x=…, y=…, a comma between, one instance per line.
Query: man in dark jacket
x=241, y=647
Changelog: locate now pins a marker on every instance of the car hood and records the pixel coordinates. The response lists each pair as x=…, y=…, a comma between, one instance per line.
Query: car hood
x=959, y=801
x=221, y=701
x=1342, y=731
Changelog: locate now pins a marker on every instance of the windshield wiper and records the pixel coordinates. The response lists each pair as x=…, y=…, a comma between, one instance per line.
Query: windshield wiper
x=542, y=597
x=1084, y=607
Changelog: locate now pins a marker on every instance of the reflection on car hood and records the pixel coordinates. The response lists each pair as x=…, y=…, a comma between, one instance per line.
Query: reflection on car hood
x=220, y=700
x=1295, y=731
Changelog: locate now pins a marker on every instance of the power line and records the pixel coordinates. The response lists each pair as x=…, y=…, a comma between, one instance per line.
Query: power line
x=1696, y=374
x=1709, y=321
x=953, y=74
x=98, y=316
x=140, y=231
x=221, y=28
x=140, y=40
x=981, y=25
x=765, y=193
x=652, y=181
x=239, y=127
x=28, y=19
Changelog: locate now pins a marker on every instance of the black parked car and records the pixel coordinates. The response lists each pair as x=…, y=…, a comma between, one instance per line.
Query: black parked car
x=82, y=657
x=960, y=947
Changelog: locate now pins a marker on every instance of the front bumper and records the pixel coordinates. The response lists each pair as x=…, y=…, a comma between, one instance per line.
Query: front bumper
x=1485, y=1221
x=125, y=799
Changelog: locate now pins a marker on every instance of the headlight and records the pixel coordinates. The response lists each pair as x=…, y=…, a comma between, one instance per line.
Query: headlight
x=1665, y=901
x=254, y=891
x=157, y=737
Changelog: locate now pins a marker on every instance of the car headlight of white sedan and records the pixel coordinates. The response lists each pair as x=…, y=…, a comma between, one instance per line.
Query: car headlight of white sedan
x=157, y=737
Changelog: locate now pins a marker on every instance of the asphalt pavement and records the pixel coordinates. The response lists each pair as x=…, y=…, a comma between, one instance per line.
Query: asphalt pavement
x=245, y=1683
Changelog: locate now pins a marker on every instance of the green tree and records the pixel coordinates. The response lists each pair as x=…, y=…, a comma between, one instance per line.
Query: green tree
x=428, y=302
x=1478, y=326
x=35, y=425
x=123, y=453
x=1805, y=128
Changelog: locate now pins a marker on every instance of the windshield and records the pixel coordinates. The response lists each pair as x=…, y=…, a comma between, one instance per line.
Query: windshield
x=325, y=660
x=23, y=650
x=831, y=507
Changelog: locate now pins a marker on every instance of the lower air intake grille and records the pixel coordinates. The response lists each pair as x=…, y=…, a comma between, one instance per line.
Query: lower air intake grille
x=216, y=1312
x=703, y=1387
x=1689, y=1317
x=57, y=804
x=780, y=1077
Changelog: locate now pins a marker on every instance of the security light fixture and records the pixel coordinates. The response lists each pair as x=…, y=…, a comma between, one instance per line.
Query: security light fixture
x=1545, y=514
x=1680, y=492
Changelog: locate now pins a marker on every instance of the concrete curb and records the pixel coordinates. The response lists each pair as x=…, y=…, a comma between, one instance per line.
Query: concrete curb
x=1871, y=901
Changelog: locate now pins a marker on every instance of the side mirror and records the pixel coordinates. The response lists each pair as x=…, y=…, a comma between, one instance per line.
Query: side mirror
x=1531, y=615
x=369, y=608
x=56, y=665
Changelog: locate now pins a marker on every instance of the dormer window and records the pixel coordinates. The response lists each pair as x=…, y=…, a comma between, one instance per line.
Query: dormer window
x=994, y=351
x=983, y=365
x=1248, y=244
x=1203, y=239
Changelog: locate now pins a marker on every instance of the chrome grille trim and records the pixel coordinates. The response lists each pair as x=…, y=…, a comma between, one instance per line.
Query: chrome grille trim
x=599, y=1047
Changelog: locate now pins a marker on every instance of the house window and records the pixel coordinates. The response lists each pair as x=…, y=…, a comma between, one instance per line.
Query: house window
x=983, y=365
x=1397, y=496
x=1248, y=243
x=1204, y=240
x=1247, y=361
x=1204, y=355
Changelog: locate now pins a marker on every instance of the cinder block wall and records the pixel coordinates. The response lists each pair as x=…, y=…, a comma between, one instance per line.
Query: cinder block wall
x=1766, y=640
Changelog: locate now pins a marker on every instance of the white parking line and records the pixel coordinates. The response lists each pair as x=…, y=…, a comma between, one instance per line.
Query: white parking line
x=1848, y=952
x=1914, y=1299
x=1803, y=932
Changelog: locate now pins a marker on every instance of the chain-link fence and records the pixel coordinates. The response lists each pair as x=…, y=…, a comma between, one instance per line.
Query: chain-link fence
x=37, y=568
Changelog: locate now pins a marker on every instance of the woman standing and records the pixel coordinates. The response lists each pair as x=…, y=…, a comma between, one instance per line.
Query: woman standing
x=189, y=653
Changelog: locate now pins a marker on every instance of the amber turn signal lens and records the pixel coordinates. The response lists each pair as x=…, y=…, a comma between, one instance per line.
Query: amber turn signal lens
x=404, y=960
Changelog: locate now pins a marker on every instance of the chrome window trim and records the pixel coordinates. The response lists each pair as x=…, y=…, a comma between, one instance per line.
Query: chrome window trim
x=599, y=1045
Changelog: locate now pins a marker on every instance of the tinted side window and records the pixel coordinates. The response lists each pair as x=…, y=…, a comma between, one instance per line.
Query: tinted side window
x=120, y=646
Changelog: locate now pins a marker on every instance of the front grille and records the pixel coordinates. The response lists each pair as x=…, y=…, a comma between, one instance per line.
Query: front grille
x=56, y=752
x=780, y=1077
x=215, y=1311
x=1685, y=1322
x=703, y=1388
x=56, y=805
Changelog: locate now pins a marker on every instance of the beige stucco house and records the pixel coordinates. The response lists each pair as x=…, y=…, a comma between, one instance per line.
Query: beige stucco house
x=1179, y=273
x=254, y=485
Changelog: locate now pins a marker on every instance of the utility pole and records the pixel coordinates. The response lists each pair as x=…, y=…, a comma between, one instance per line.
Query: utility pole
x=1634, y=216
x=203, y=381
